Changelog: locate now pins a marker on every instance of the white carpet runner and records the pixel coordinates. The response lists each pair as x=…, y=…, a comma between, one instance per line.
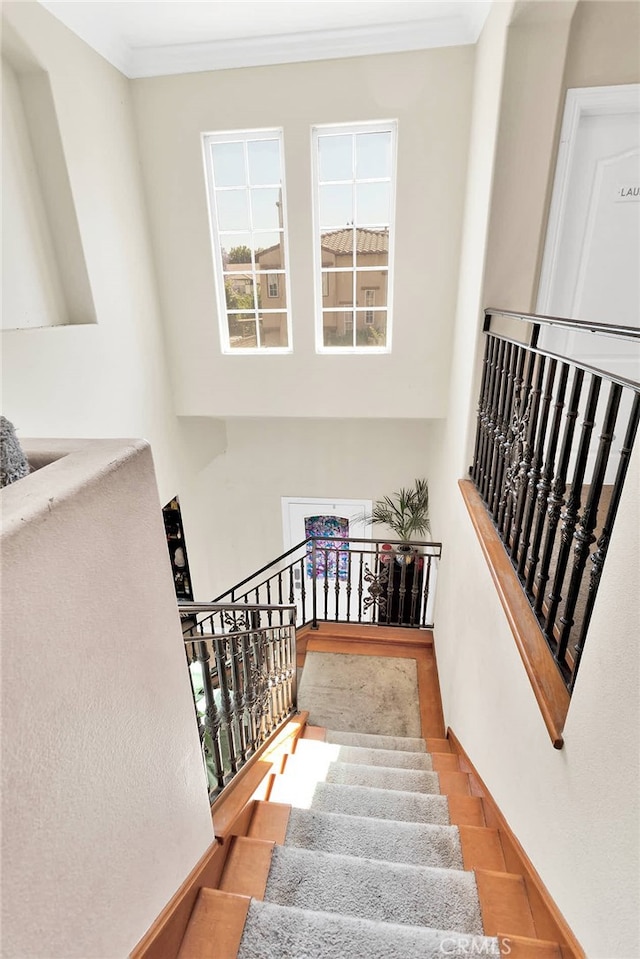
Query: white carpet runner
x=372, y=869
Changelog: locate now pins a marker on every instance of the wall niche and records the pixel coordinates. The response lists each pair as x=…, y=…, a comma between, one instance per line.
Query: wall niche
x=45, y=279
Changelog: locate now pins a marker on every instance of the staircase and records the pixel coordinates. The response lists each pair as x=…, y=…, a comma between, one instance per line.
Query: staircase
x=369, y=847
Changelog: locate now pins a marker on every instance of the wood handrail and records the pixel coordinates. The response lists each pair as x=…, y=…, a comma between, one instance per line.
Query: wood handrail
x=547, y=683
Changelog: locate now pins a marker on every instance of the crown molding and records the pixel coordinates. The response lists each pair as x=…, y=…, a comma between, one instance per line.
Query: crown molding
x=295, y=47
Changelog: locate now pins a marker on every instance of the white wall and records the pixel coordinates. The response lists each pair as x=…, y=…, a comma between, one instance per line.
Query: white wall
x=105, y=806
x=108, y=378
x=429, y=93
x=267, y=459
x=575, y=810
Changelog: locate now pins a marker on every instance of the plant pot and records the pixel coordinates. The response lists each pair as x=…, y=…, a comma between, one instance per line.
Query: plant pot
x=404, y=554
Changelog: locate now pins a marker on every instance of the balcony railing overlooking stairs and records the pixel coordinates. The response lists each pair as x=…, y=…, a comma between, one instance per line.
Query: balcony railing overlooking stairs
x=241, y=648
x=243, y=678
x=348, y=580
x=552, y=448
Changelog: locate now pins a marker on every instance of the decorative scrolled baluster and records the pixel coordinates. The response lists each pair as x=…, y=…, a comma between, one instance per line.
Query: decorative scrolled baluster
x=583, y=536
x=544, y=484
x=599, y=555
x=498, y=437
x=239, y=699
x=349, y=588
x=514, y=443
x=526, y=460
x=570, y=515
x=515, y=371
x=360, y=585
x=250, y=694
x=482, y=408
x=492, y=419
x=211, y=718
x=537, y=461
x=555, y=499
x=226, y=702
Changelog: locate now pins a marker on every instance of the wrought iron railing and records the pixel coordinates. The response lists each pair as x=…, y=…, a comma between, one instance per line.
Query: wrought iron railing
x=552, y=449
x=243, y=678
x=348, y=580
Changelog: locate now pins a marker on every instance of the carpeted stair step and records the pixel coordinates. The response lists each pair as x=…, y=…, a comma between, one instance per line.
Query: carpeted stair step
x=280, y=932
x=371, y=741
x=381, y=803
x=379, y=777
x=411, y=843
x=371, y=889
x=318, y=752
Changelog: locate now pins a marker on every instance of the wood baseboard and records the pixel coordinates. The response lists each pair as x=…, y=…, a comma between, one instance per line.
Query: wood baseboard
x=231, y=815
x=163, y=939
x=549, y=922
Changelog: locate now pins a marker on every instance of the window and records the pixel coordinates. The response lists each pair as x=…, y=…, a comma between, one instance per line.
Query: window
x=369, y=301
x=354, y=198
x=245, y=187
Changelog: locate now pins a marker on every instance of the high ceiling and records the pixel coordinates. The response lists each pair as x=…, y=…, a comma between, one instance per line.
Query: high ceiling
x=149, y=38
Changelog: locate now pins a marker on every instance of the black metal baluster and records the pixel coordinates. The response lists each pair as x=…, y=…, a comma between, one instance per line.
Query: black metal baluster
x=402, y=591
x=425, y=590
x=490, y=418
x=555, y=500
x=505, y=425
x=360, y=586
x=527, y=455
x=314, y=595
x=544, y=483
x=239, y=702
x=415, y=587
x=326, y=584
x=598, y=557
x=572, y=509
x=226, y=703
x=303, y=594
x=269, y=612
x=211, y=718
x=496, y=422
x=337, y=586
x=533, y=475
x=280, y=596
x=482, y=408
x=250, y=694
x=349, y=585
x=515, y=443
x=583, y=536
x=390, y=584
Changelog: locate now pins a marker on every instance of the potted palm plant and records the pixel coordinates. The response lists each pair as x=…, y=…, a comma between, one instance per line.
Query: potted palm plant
x=406, y=512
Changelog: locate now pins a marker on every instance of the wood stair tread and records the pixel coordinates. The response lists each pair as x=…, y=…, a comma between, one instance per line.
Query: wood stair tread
x=215, y=927
x=247, y=867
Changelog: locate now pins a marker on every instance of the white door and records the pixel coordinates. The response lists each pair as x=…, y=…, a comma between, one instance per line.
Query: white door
x=590, y=268
x=326, y=519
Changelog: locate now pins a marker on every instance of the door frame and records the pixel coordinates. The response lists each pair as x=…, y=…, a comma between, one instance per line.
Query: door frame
x=579, y=102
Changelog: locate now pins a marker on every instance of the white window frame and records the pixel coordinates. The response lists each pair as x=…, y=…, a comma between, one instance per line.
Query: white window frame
x=273, y=286
x=244, y=136
x=380, y=126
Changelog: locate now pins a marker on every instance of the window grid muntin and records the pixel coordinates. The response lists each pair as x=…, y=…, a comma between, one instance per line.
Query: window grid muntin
x=321, y=228
x=245, y=137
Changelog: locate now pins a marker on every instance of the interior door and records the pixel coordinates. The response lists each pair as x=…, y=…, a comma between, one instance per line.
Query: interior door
x=326, y=519
x=592, y=248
